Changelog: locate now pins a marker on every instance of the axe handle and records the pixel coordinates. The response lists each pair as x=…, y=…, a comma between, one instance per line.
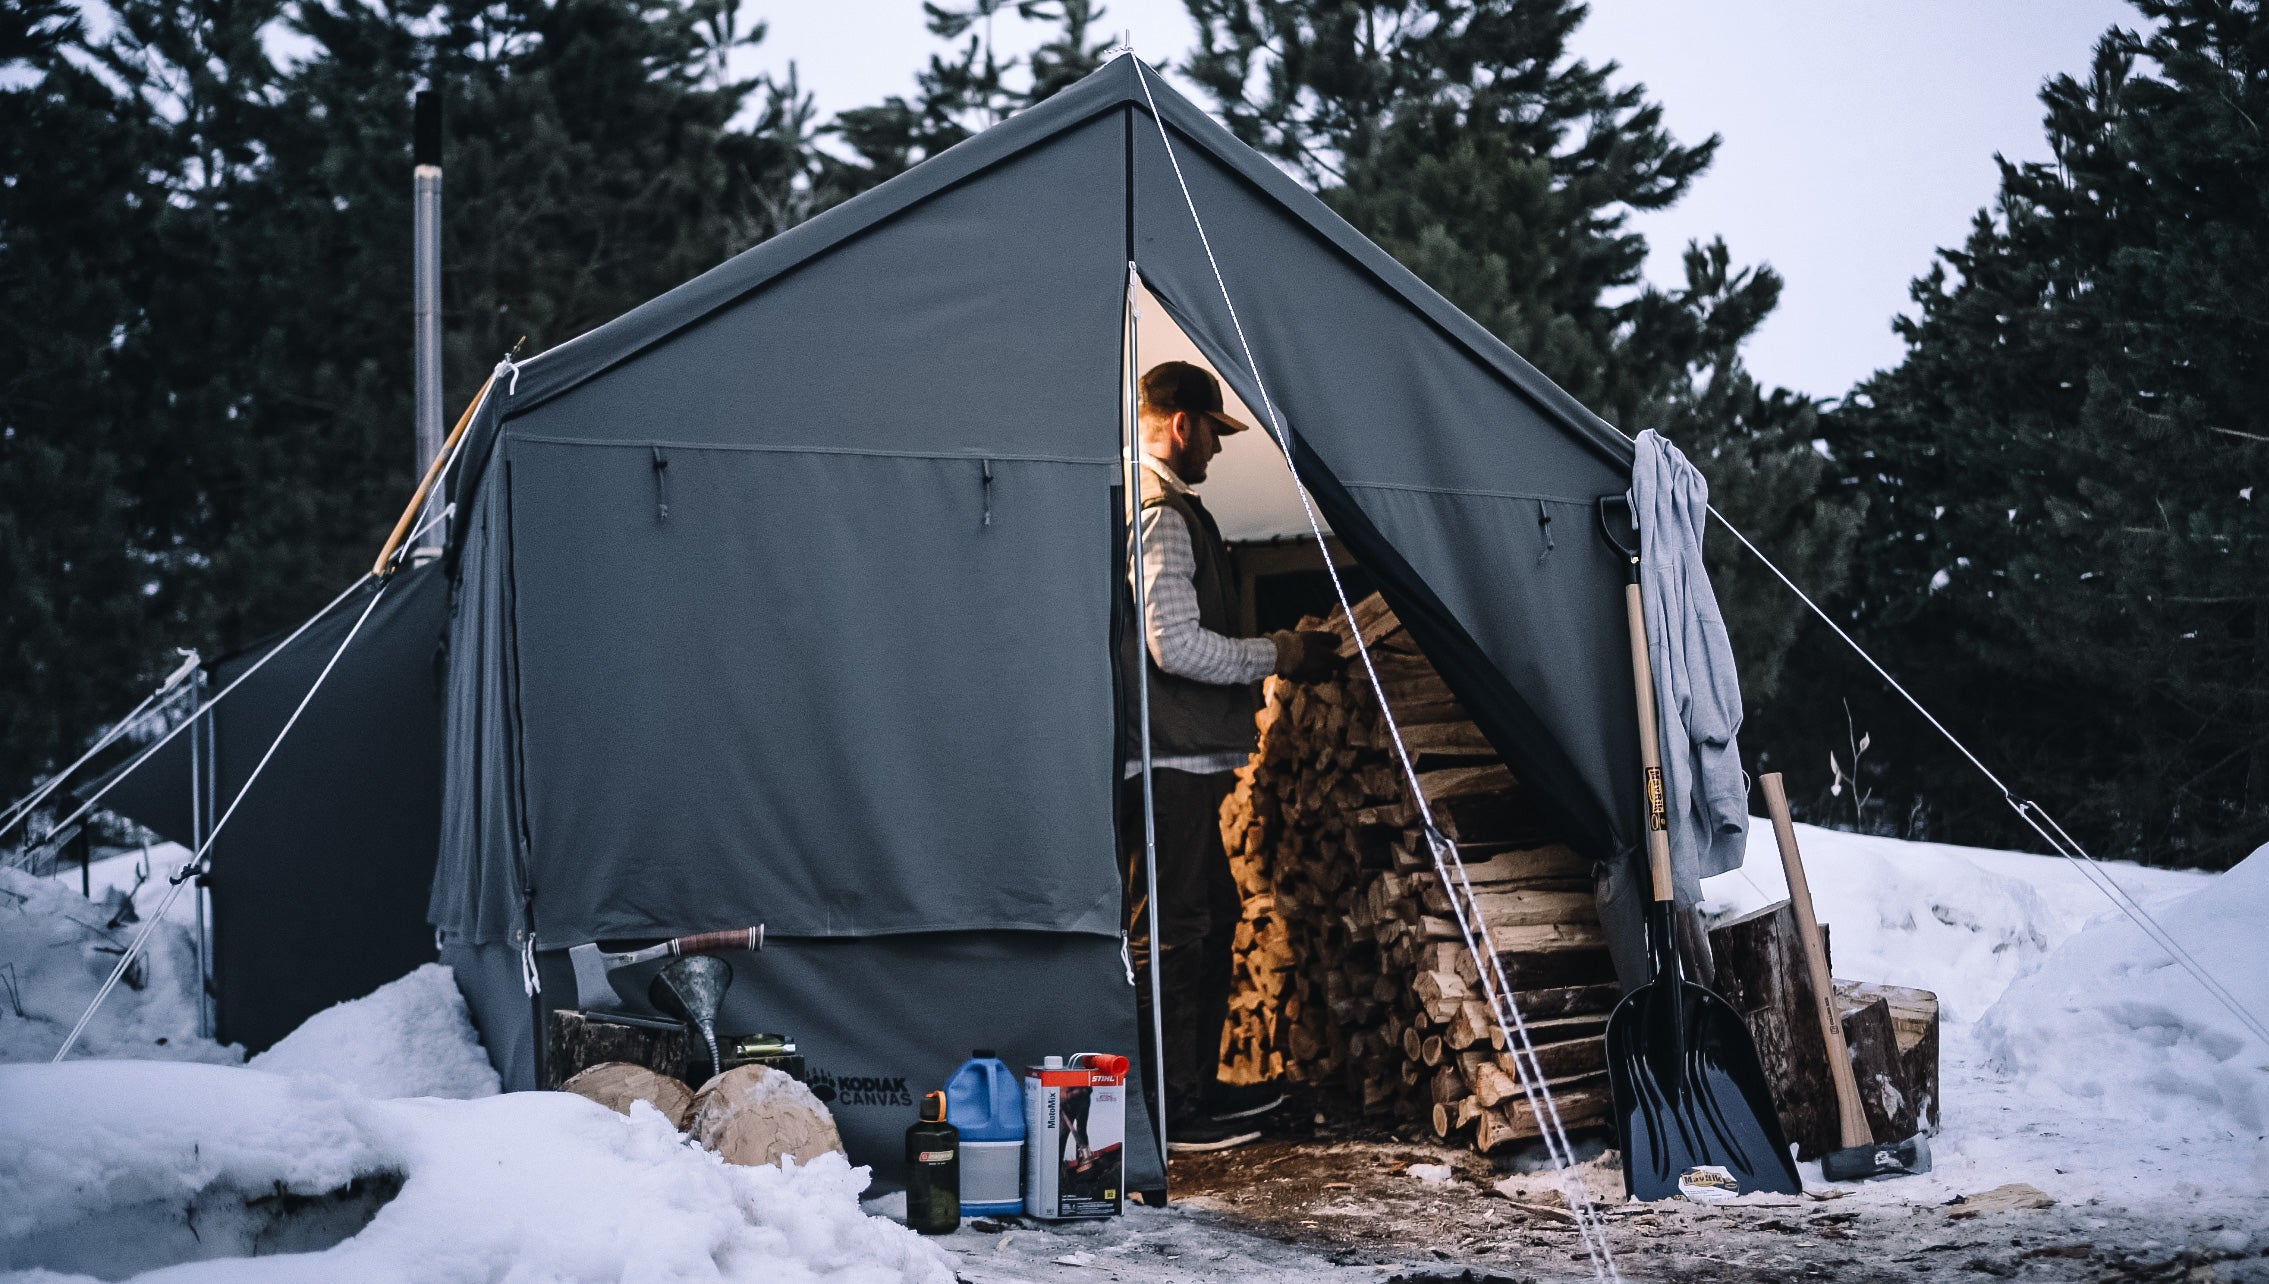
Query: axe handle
x=1851, y=1118
x=738, y=938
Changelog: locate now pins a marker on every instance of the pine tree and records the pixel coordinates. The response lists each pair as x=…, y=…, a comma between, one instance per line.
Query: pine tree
x=207, y=256
x=2071, y=552
x=963, y=94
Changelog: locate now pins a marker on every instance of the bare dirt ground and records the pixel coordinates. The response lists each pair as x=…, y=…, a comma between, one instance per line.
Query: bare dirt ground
x=1318, y=1207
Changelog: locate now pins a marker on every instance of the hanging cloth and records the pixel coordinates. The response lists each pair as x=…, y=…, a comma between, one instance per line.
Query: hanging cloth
x=1696, y=691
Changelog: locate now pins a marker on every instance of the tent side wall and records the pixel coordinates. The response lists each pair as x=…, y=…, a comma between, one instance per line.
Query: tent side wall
x=802, y=614
x=320, y=879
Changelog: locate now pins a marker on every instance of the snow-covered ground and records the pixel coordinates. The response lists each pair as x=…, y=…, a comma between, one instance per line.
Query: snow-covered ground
x=57, y=946
x=371, y=1144
x=2075, y=1056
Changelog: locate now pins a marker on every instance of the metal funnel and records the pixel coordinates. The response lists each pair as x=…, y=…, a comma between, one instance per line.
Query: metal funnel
x=692, y=989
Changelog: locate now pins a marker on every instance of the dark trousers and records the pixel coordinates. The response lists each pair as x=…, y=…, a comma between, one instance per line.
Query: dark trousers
x=1198, y=909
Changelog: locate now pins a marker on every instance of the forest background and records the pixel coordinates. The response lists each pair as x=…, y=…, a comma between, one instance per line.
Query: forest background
x=2042, y=519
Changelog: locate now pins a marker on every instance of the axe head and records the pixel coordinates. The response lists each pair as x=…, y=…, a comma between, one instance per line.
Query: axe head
x=594, y=989
x=1888, y=1159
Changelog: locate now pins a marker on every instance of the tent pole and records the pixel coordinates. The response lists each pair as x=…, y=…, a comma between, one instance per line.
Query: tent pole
x=200, y=809
x=1142, y=705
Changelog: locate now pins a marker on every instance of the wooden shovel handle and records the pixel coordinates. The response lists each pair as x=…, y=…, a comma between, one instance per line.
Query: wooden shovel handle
x=1650, y=746
x=425, y=484
x=1851, y=1118
x=738, y=938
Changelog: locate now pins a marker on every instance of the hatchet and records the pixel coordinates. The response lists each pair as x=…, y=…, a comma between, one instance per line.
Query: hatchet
x=593, y=989
x=1859, y=1157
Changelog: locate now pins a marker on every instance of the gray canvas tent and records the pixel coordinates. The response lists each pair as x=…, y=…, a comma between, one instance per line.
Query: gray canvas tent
x=790, y=597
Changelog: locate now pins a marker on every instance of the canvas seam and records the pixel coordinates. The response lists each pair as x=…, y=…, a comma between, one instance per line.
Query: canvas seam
x=961, y=456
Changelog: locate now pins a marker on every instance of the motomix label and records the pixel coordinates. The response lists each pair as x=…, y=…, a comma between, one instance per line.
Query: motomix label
x=1075, y=1122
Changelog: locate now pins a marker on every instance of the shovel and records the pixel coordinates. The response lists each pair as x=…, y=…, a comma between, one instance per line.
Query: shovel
x=1692, y=1108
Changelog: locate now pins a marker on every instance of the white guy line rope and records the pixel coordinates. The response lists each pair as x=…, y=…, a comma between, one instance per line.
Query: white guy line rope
x=1445, y=855
x=194, y=866
x=162, y=741
x=144, y=756
x=2060, y=842
x=24, y=806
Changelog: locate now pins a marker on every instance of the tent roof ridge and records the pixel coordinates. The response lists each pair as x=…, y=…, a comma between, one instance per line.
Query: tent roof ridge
x=1115, y=86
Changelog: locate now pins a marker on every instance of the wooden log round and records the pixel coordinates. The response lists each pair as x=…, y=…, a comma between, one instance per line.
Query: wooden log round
x=754, y=1115
x=616, y=1084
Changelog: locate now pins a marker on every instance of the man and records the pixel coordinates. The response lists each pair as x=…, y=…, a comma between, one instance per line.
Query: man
x=1202, y=700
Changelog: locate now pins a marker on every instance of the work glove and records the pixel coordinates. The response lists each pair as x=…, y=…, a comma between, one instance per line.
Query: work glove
x=1306, y=655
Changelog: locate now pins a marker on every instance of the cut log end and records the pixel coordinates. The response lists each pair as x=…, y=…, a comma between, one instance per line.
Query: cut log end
x=754, y=1115
x=617, y=1084
x=1352, y=970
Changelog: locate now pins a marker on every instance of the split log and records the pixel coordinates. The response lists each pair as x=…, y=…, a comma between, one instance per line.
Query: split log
x=1892, y=1034
x=615, y=1084
x=752, y=1115
x=1352, y=973
x=577, y=1041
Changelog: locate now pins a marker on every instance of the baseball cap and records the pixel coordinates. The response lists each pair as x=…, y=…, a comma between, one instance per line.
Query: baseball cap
x=1177, y=385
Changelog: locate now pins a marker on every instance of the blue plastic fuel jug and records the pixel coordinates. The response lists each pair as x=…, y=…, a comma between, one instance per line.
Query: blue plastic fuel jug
x=984, y=1100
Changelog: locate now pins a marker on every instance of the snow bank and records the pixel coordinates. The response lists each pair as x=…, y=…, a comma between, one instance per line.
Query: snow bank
x=105, y=1161
x=2075, y=1055
x=79, y=1140
x=1961, y=922
x=55, y=949
x=408, y=1038
x=2114, y=1023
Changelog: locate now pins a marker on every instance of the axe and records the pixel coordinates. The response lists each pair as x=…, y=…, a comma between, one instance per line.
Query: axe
x=595, y=991
x=1859, y=1157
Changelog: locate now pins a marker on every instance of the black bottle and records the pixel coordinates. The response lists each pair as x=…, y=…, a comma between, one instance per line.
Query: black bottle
x=933, y=1171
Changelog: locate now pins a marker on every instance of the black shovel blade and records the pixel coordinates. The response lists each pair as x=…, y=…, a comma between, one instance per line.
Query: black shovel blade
x=1705, y=1103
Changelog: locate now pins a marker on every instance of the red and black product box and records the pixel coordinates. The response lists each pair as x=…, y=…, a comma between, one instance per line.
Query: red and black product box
x=1075, y=1134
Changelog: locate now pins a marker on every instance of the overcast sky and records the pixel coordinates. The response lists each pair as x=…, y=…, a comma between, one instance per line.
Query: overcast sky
x=1858, y=134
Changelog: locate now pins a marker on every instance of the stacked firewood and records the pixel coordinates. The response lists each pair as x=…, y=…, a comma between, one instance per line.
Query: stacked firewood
x=1351, y=970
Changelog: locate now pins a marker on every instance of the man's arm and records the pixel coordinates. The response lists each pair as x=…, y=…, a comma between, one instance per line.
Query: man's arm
x=1178, y=643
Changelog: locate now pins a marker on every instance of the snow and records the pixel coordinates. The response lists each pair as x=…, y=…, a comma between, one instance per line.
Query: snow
x=1961, y=922
x=2163, y=1048
x=371, y=1144
x=409, y=1038
x=99, y=1162
x=2074, y=1056
x=56, y=947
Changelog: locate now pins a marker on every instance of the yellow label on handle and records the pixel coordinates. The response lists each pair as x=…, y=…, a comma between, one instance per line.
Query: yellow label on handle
x=1658, y=813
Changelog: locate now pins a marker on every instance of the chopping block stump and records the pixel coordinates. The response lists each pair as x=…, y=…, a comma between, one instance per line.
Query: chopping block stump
x=577, y=1041
x=1891, y=1031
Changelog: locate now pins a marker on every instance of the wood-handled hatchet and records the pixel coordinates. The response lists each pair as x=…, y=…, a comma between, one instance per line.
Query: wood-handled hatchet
x=1859, y=1156
x=593, y=989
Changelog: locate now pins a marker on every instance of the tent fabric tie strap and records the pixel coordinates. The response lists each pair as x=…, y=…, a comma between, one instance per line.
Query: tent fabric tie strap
x=1448, y=866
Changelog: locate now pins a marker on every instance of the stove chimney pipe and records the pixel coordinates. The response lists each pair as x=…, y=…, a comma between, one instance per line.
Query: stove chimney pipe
x=425, y=307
